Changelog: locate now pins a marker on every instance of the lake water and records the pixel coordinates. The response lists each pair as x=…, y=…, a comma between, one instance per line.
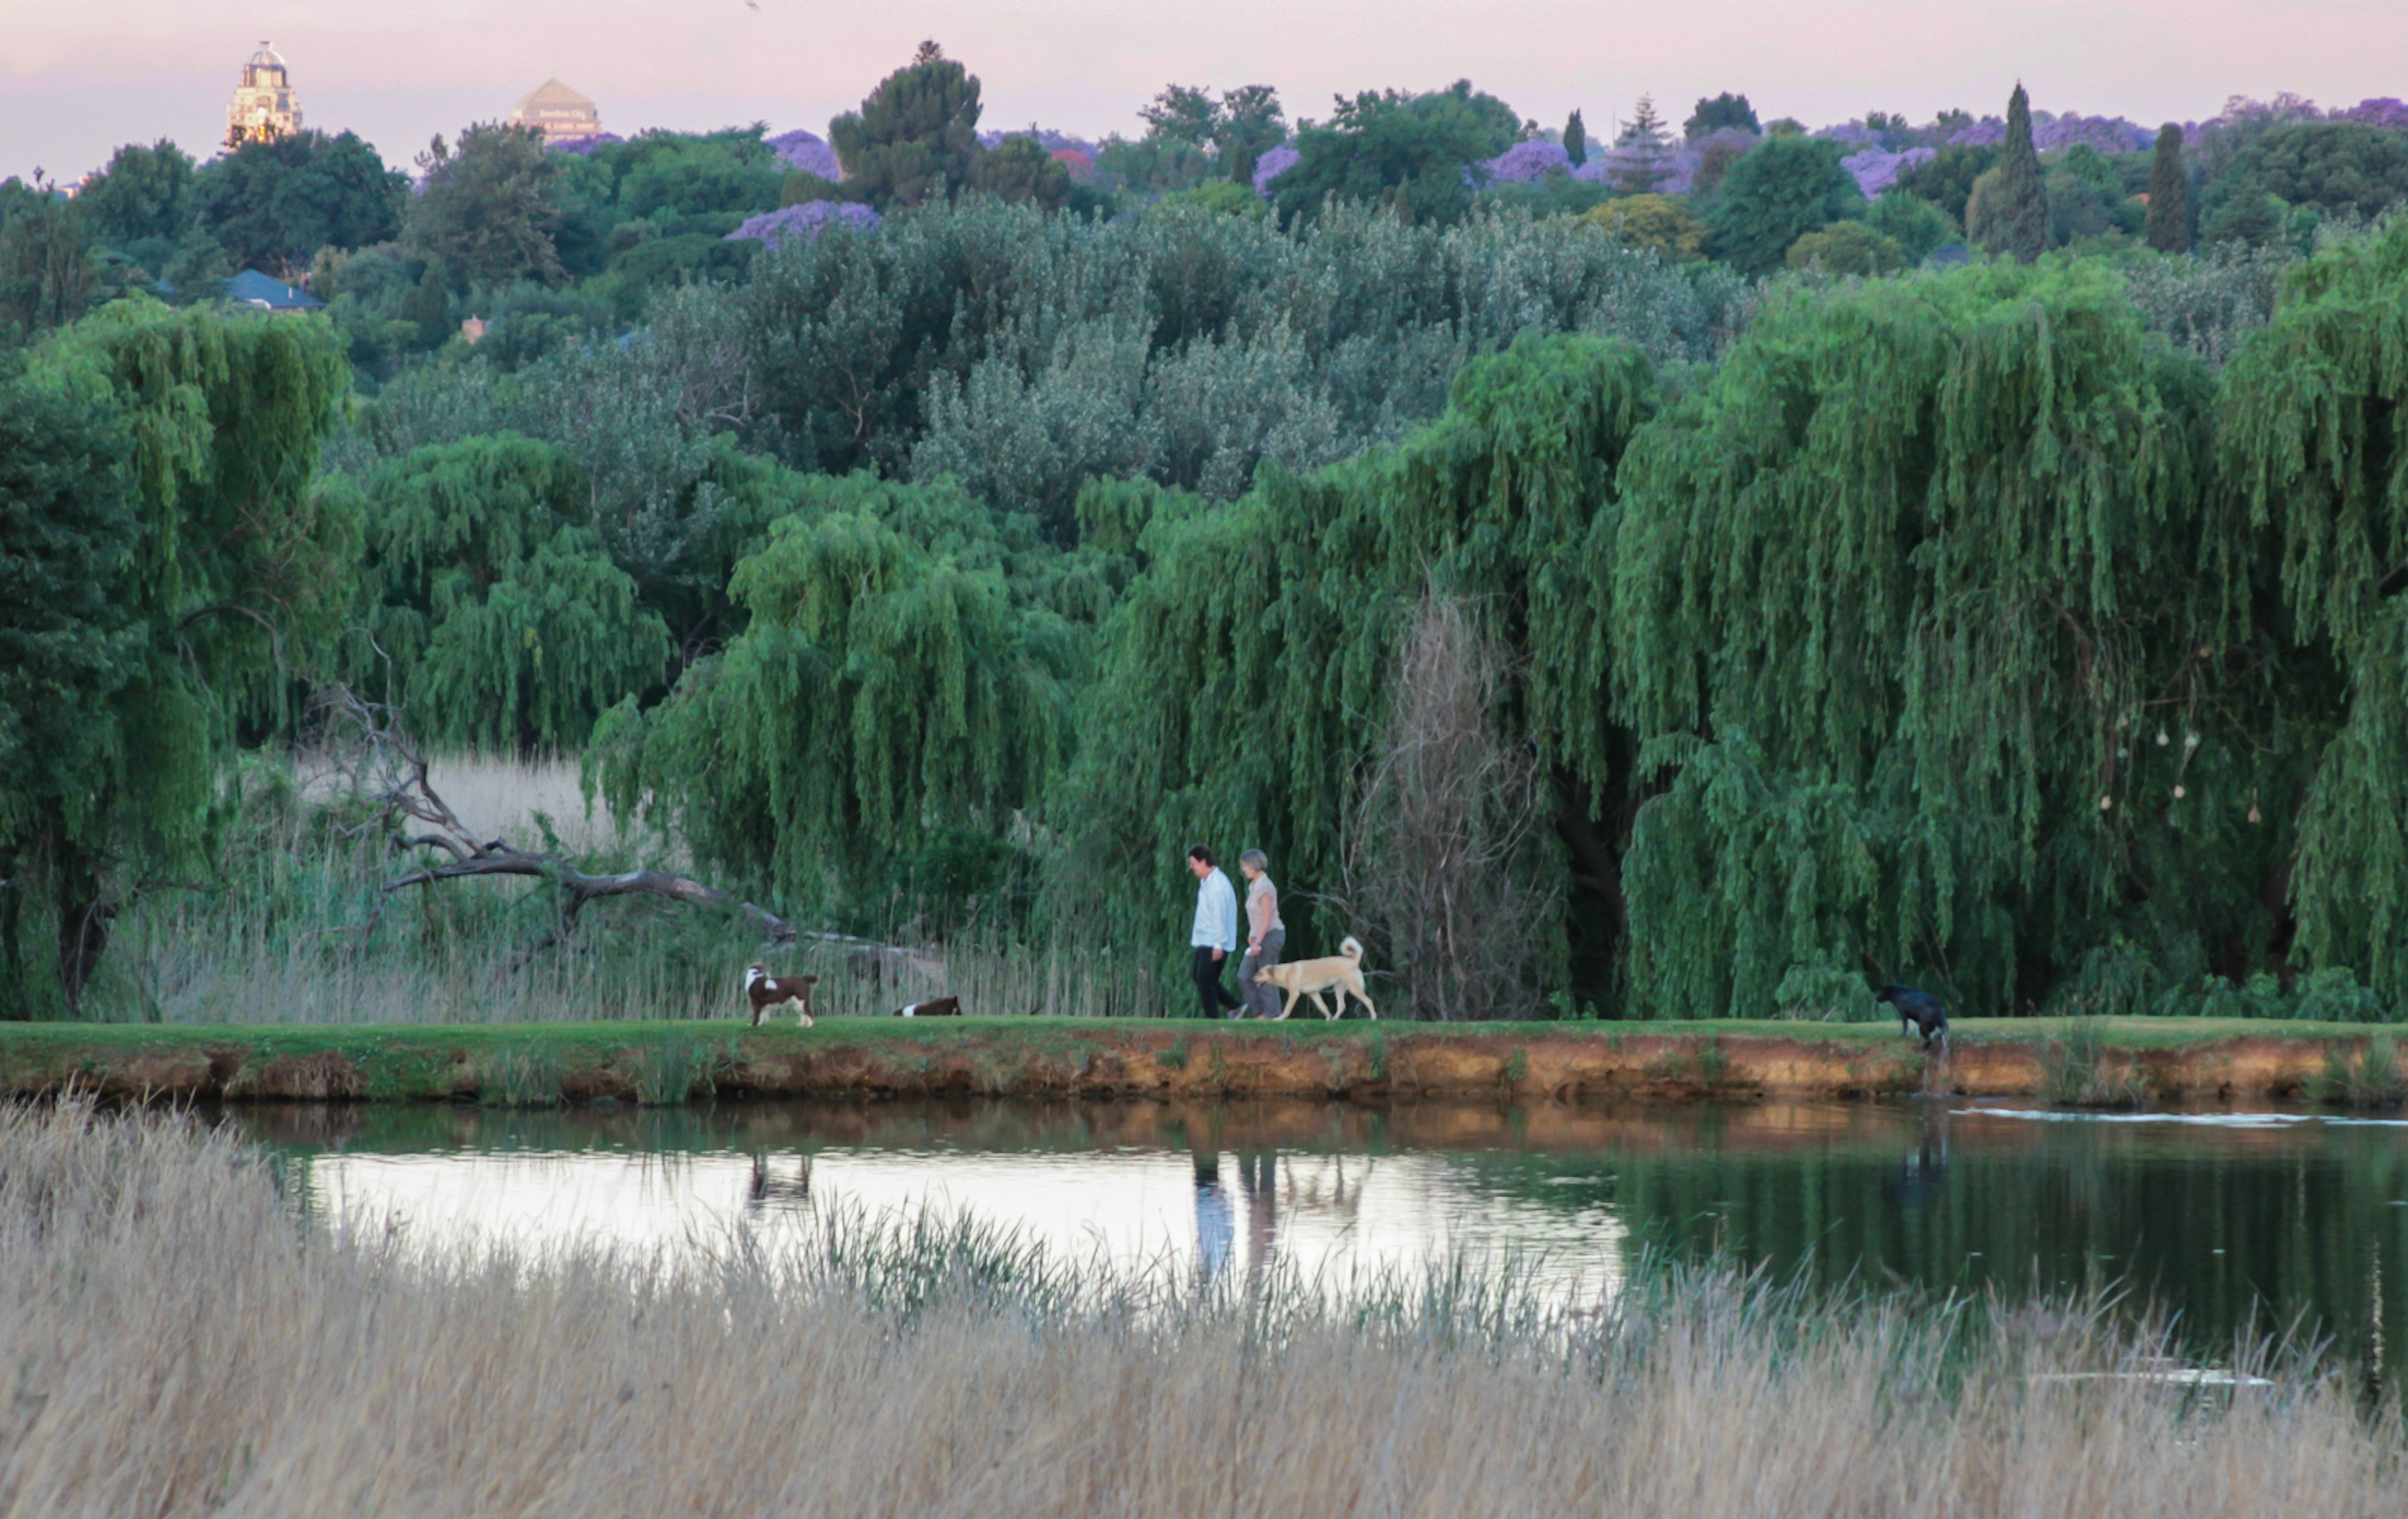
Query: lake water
x=2226, y=1220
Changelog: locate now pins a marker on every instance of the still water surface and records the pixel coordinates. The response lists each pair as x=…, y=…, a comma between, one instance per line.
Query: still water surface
x=2228, y=1221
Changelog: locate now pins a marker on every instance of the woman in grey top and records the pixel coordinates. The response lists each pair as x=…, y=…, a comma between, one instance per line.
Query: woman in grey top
x=1266, y=936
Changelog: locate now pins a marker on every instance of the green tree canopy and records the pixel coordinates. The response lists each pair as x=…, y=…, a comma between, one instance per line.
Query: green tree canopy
x=1786, y=188
x=1576, y=141
x=1277, y=618
x=2322, y=167
x=1946, y=178
x=1662, y=224
x=685, y=174
x=1847, y=248
x=2008, y=211
x=1915, y=225
x=1020, y=169
x=68, y=525
x=492, y=611
x=1183, y=113
x=1251, y=123
x=238, y=580
x=1405, y=151
x=1723, y=110
x=915, y=135
x=901, y=685
x=143, y=192
x=1927, y=608
x=2168, y=228
x=2311, y=441
x=273, y=205
x=487, y=215
x=46, y=276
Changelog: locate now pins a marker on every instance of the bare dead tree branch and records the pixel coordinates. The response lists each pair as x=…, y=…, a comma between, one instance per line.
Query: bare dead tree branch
x=1436, y=864
x=368, y=749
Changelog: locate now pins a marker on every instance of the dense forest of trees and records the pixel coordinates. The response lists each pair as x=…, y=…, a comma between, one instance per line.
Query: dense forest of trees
x=1699, y=584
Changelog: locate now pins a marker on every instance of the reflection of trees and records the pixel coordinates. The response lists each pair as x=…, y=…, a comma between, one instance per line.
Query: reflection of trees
x=2303, y=1219
x=2306, y=1216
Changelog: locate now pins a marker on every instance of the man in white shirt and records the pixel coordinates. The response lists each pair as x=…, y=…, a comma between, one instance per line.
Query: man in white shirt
x=1215, y=933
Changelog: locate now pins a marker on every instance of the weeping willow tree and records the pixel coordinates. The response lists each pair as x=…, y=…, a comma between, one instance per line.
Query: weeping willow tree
x=1950, y=660
x=188, y=574
x=2315, y=409
x=868, y=746
x=1249, y=668
x=490, y=609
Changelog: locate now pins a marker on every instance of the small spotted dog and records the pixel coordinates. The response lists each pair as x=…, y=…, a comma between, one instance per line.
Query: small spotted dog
x=943, y=1007
x=765, y=992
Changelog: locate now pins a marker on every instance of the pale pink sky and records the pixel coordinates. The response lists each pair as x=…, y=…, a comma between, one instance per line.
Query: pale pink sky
x=78, y=76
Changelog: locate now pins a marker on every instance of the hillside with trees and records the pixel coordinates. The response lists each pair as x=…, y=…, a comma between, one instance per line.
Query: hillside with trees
x=1629, y=571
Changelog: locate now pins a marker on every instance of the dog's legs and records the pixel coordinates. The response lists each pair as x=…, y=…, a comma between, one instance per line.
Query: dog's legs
x=1364, y=998
x=1326, y=1013
x=1289, y=1006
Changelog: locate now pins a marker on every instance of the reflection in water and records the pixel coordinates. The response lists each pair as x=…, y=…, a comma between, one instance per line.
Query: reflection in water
x=1212, y=1230
x=2238, y=1223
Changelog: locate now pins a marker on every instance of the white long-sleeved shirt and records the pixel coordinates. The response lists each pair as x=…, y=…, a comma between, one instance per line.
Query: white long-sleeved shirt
x=1216, y=913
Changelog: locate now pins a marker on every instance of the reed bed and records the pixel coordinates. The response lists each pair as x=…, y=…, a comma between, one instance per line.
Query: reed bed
x=292, y=927
x=178, y=1341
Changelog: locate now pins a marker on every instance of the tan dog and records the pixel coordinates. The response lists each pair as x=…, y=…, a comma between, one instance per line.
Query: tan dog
x=1311, y=978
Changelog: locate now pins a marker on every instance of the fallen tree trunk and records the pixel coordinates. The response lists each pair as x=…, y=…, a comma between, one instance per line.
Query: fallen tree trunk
x=582, y=887
x=385, y=765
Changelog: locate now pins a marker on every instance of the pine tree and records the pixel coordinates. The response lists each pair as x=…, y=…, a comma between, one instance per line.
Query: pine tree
x=1576, y=141
x=2168, y=224
x=916, y=134
x=2012, y=210
x=1646, y=128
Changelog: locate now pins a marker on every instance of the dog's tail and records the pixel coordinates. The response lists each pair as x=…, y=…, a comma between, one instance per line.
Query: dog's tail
x=1351, y=947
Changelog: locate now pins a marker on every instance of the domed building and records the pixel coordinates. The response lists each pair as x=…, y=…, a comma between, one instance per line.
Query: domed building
x=264, y=107
x=559, y=113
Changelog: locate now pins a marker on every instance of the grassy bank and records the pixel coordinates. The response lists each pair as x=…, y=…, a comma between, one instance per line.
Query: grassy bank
x=2098, y=1062
x=180, y=1344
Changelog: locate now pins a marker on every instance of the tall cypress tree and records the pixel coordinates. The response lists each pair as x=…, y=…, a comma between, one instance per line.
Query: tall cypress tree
x=1576, y=141
x=2019, y=202
x=2168, y=224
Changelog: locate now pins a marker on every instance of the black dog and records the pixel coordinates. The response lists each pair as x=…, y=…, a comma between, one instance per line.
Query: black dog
x=1917, y=1009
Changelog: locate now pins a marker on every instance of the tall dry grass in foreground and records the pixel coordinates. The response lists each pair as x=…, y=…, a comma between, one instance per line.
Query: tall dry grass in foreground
x=174, y=1341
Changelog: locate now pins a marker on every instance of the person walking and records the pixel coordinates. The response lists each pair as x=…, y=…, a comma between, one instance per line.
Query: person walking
x=1215, y=933
x=1266, y=936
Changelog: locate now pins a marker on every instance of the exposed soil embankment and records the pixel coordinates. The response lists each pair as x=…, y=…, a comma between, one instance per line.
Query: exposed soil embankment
x=2185, y=1060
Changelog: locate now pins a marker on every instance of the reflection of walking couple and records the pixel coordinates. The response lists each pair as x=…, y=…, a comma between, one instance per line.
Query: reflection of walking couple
x=1214, y=938
x=1216, y=1222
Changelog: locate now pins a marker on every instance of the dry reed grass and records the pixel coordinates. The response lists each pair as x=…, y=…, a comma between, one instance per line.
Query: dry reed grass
x=176, y=1342
x=294, y=932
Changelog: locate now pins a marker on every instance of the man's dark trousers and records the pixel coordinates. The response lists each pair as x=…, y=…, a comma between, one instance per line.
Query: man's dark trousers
x=1209, y=989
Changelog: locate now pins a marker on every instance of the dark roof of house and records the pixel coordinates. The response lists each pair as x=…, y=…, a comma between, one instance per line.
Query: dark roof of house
x=253, y=288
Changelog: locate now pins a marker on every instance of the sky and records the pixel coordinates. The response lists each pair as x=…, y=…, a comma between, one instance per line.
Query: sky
x=78, y=77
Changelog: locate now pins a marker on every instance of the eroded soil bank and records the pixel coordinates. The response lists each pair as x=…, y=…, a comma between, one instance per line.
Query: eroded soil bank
x=2119, y=1062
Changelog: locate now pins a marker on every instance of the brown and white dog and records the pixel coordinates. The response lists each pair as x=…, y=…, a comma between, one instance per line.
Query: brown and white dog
x=765, y=992
x=943, y=1007
x=1311, y=978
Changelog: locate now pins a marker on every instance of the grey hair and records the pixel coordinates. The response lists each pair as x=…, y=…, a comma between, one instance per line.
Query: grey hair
x=1257, y=858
